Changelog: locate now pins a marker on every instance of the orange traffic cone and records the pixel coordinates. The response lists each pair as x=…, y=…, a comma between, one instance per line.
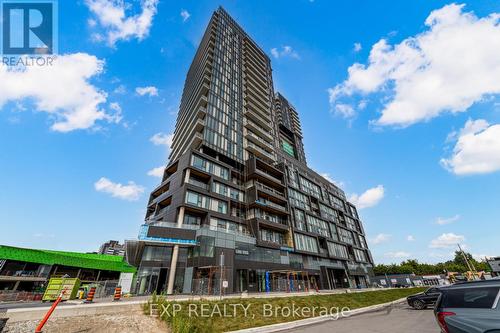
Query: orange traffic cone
x=118, y=293
x=90, y=295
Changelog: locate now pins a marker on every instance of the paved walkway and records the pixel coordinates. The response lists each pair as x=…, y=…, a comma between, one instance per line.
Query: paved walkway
x=400, y=318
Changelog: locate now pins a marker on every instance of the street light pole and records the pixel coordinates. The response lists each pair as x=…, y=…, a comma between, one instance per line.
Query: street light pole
x=221, y=273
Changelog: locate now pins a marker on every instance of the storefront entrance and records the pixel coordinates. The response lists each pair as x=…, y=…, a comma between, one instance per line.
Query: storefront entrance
x=337, y=278
x=151, y=279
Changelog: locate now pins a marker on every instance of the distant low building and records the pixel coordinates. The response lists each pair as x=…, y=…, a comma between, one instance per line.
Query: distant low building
x=113, y=248
x=397, y=280
x=495, y=265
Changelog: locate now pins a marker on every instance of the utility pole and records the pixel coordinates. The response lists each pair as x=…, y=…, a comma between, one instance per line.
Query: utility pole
x=471, y=268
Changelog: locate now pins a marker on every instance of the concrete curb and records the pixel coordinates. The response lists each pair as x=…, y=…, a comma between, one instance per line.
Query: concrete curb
x=315, y=320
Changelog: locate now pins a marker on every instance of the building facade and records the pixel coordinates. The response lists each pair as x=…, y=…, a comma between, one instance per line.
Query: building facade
x=238, y=208
x=113, y=248
x=24, y=269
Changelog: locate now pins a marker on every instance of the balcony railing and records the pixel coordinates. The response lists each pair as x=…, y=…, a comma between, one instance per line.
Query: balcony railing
x=270, y=204
x=269, y=189
x=268, y=146
x=254, y=126
x=274, y=220
x=227, y=231
x=259, y=150
x=268, y=174
x=174, y=225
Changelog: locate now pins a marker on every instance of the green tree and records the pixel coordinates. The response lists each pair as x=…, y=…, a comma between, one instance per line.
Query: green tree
x=457, y=264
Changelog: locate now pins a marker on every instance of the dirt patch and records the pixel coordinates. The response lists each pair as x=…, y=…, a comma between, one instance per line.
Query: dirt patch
x=108, y=323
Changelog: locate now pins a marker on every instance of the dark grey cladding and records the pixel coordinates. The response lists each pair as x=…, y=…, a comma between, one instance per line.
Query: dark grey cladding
x=238, y=183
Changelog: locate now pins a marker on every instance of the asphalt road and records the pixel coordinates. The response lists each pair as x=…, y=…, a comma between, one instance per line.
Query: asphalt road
x=401, y=318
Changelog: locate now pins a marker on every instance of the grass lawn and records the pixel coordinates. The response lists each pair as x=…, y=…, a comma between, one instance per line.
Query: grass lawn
x=238, y=313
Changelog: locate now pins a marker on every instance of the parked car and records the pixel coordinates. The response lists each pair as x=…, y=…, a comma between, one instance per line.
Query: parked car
x=470, y=307
x=422, y=300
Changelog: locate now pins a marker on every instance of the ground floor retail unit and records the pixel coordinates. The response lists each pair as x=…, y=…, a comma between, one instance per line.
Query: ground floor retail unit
x=244, y=269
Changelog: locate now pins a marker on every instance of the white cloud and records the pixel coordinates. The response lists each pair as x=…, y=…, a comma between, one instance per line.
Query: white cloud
x=150, y=90
x=380, y=238
x=398, y=255
x=62, y=90
x=120, y=90
x=156, y=172
x=328, y=177
x=117, y=112
x=481, y=257
x=111, y=15
x=162, y=139
x=410, y=238
x=130, y=192
x=369, y=198
x=185, y=15
x=447, y=220
x=477, y=150
x=286, y=51
x=91, y=22
x=357, y=47
x=448, y=67
x=344, y=110
x=447, y=240
x=45, y=236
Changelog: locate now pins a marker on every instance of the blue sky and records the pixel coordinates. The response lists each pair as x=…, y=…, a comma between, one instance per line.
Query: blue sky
x=407, y=126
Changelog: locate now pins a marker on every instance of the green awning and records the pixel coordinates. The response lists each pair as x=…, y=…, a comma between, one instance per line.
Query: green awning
x=103, y=262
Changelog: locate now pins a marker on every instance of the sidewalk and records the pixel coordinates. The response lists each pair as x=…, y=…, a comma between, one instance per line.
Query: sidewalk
x=133, y=304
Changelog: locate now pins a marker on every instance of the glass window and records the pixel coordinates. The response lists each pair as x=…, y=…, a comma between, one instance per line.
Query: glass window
x=360, y=255
x=199, y=163
x=351, y=223
x=346, y=236
x=333, y=230
x=298, y=199
x=193, y=198
x=228, y=226
x=221, y=207
x=210, y=167
x=300, y=220
x=292, y=177
x=157, y=253
x=288, y=148
x=354, y=212
x=206, y=248
x=202, y=201
x=473, y=298
x=317, y=226
x=328, y=212
x=337, y=203
x=227, y=191
x=272, y=236
x=192, y=220
x=306, y=243
x=337, y=250
x=362, y=242
x=310, y=187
